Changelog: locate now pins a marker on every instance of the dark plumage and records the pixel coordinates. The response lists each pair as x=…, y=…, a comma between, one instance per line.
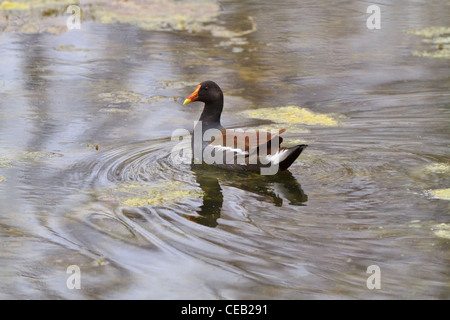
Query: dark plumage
x=249, y=150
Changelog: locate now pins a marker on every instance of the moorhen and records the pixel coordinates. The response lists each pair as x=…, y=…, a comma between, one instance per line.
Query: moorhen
x=250, y=150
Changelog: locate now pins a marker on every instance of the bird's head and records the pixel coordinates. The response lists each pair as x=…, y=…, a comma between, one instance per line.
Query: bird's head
x=207, y=91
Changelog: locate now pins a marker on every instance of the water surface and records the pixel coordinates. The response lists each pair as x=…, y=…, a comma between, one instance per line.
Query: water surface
x=141, y=226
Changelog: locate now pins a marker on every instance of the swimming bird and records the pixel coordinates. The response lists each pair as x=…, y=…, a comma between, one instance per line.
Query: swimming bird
x=249, y=150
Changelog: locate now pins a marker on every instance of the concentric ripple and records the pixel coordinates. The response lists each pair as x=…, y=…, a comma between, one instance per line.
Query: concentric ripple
x=178, y=208
x=248, y=226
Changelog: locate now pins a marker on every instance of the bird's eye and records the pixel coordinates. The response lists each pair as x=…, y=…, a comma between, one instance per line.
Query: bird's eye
x=206, y=88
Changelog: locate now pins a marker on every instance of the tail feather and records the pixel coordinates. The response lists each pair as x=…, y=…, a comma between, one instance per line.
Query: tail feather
x=289, y=156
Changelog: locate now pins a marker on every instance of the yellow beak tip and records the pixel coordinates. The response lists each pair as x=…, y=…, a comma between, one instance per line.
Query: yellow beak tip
x=186, y=101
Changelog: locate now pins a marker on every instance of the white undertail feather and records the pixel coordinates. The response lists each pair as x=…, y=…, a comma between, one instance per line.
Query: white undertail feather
x=278, y=157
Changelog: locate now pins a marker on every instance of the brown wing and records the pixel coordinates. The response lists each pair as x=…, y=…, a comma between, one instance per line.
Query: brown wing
x=249, y=140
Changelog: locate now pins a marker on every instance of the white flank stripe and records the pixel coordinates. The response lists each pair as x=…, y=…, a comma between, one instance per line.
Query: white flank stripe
x=237, y=150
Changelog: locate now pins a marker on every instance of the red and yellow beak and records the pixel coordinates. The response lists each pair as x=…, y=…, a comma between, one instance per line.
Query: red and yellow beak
x=193, y=96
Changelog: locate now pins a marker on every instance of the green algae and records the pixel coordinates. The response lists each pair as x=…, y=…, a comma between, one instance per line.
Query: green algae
x=121, y=96
x=13, y=5
x=127, y=96
x=441, y=54
x=294, y=115
x=191, y=16
x=119, y=101
x=35, y=16
x=430, y=32
x=38, y=155
x=442, y=230
x=441, y=41
x=44, y=16
x=156, y=198
x=437, y=39
x=156, y=194
x=437, y=172
x=438, y=167
x=442, y=194
x=5, y=163
x=2, y=178
x=435, y=169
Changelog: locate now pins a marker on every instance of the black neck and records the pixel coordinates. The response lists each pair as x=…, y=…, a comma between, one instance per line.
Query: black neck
x=211, y=113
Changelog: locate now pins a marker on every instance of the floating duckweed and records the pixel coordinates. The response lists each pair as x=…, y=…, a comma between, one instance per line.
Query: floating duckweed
x=106, y=17
x=438, y=167
x=37, y=155
x=443, y=194
x=2, y=178
x=26, y=20
x=442, y=230
x=294, y=114
x=124, y=96
x=12, y=5
x=194, y=16
x=158, y=193
x=441, y=54
x=156, y=198
x=435, y=36
x=189, y=16
x=121, y=96
x=440, y=41
x=5, y=163
x=430, y=32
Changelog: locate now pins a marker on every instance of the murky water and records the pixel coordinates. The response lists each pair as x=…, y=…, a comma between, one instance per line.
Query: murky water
x=86, y=176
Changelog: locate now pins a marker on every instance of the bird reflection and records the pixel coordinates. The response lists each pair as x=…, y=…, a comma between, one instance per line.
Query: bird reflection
x=275, y=188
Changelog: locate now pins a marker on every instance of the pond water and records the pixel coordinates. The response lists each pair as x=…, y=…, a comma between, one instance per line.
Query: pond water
x=86, y=176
